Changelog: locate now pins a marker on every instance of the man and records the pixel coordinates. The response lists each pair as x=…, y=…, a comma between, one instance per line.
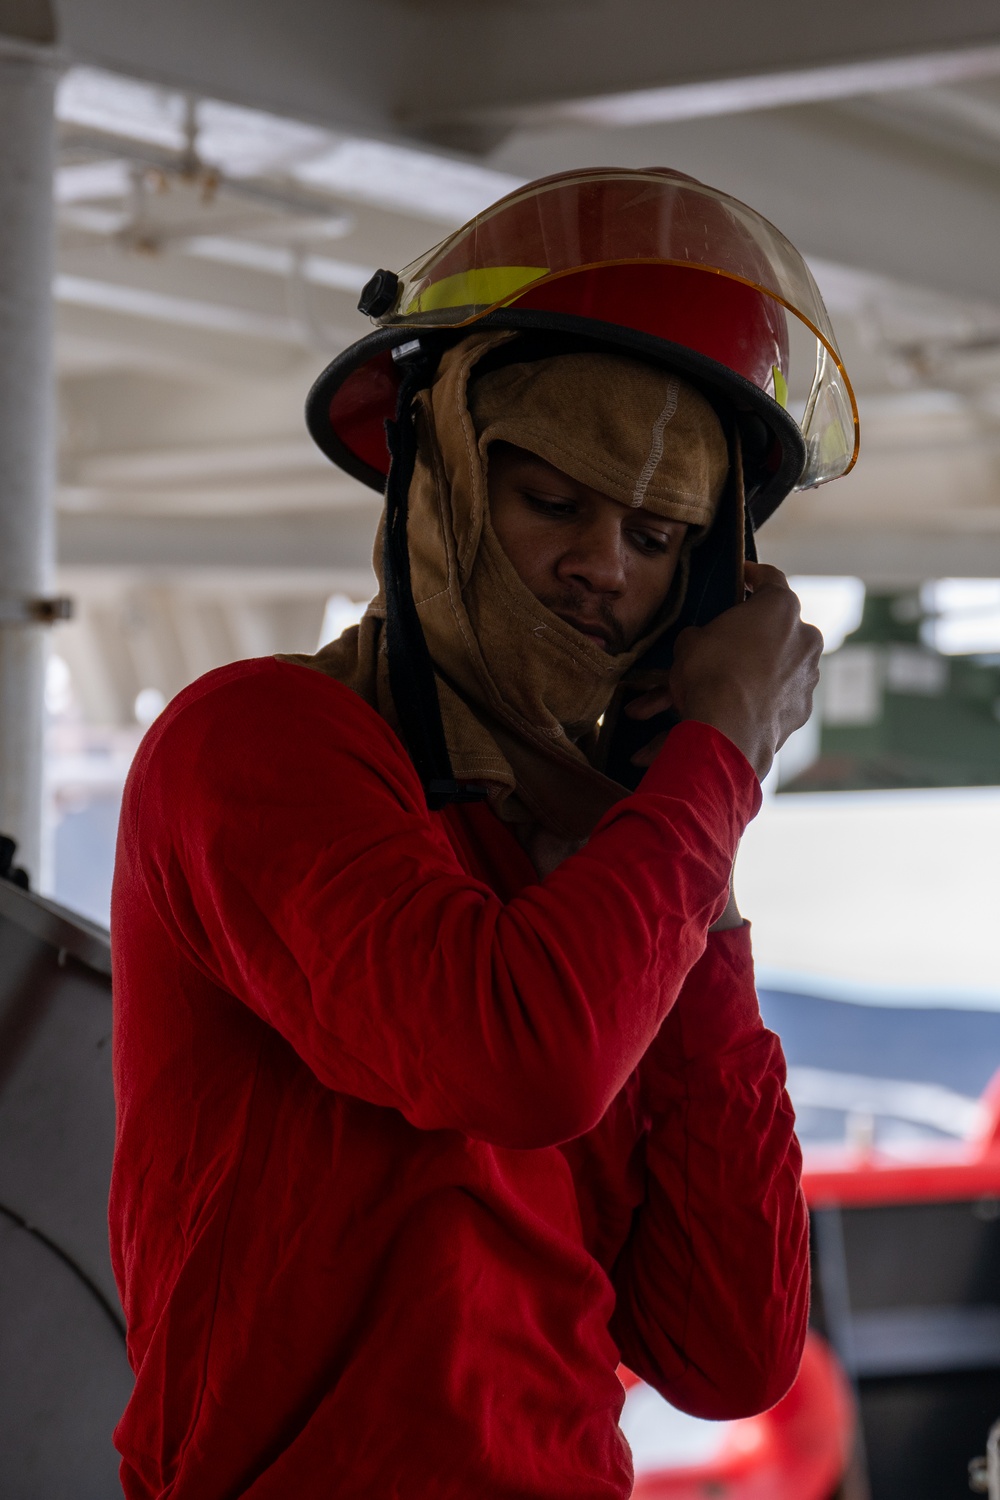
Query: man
x=442, y=1085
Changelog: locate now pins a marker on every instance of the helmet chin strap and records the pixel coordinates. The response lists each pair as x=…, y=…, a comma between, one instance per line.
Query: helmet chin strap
x=411, y=670
x=716, y=581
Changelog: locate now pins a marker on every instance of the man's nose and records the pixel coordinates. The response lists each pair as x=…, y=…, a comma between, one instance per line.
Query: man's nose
x=596, y=559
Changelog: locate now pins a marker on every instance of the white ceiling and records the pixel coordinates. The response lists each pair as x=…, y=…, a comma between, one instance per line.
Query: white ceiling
x=230, y=174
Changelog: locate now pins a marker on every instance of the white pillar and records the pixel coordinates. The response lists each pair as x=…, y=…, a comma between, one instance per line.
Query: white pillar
x=27, y=546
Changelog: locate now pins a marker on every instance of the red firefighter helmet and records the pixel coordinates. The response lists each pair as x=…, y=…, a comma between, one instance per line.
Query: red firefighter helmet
x=647, y=262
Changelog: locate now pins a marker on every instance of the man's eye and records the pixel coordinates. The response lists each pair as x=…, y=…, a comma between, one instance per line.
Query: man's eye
x=651, y=542
x=548, y=507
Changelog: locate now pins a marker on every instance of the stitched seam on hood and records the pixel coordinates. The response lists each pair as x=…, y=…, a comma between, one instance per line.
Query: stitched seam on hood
x=656, y=443
x=697, y=501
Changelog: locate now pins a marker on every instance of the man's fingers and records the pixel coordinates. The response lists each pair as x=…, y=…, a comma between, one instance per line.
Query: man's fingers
x=814, y=636
x=656, y=701
x=751, y=671
x=764, y=575
x=648, y=753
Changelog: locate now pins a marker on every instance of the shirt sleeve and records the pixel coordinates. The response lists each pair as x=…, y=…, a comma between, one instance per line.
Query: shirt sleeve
x=712, y=1282
x=281, y=833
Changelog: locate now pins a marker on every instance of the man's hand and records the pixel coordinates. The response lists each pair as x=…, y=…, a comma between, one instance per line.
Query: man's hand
x=750, y=673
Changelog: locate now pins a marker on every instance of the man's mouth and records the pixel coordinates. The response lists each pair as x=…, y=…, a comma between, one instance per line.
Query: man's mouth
x=590, y=628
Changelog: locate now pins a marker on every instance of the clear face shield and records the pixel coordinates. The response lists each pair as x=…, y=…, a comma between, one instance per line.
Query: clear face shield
x=669, y=257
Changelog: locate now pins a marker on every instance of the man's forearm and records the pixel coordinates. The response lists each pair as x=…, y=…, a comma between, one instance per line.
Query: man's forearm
x=712, y=1283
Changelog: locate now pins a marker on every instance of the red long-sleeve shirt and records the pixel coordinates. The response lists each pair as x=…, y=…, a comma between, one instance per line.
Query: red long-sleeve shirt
x=413, y=1147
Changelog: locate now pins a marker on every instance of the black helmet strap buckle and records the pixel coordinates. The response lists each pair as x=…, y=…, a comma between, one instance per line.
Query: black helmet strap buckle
x=411, y=670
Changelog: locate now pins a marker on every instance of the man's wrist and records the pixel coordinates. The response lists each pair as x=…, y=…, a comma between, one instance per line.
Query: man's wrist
x=752, y=743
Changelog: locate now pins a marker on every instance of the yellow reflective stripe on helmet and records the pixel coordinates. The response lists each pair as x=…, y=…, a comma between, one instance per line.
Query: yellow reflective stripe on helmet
x=780, y=387
x=480, y=287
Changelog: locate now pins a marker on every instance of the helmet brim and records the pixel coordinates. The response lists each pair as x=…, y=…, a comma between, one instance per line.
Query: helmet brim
x=771, y=475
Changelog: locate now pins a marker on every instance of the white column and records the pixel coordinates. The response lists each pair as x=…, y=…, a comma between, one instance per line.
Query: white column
x=27, y=549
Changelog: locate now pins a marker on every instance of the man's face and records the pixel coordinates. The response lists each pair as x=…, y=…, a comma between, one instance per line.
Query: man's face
x=603, y=567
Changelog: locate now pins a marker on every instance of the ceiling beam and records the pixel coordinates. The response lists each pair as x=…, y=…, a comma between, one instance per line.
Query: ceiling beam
x=748, y=92
x=93, y=586
x=842, y=188
x=885, y=557
x=334, y=63
x=29, y=21
x=636, y=61
x=308, y=540
x=410, y=66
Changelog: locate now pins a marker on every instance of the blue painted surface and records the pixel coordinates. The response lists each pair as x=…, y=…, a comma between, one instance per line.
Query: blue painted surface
x=957, y=1048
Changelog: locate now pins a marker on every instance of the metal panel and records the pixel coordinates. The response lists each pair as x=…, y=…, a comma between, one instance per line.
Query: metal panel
x=64, y=1377
x=920, y=1340
x=907, y=1294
